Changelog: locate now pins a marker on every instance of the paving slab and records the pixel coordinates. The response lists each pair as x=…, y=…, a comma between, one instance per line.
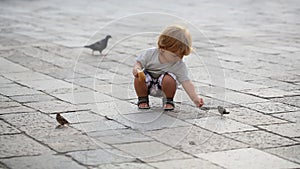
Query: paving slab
x=286, y=129
x=51, y=84
x=32, y=98
x=136, y=165
x=6, y=128
x=151, y=120
x=27, y=119
x=9, y=104
x=54, y=106
x=239, y=85
x=271, y=107
x=20, y=145
x=239, y=98
x=221, y=125
x=46, y=161
x=18, y=109
x=101, y=156
x=111, y=132
x=152, y=151
x=252, y=117
x=194, y=140
x=83, y=97
x=185, y=112
x=123, y=92
x=4, y=99
x=185, y=163
x=80, y=116
x=291, y=153
x=98, y=126
x=10, y=85
x=74, y=89
x=247, y=158
x=89, y=82
x=261, y=139
x=269, y=92
x=76, y=142
x=8, y=66
x=61, y=139
x=27, y=76
x=46, y=130
x=115, y=107
x=293, y=100
x=290, y=116
x=4, y=80
x=17, y=91
x=124, y=138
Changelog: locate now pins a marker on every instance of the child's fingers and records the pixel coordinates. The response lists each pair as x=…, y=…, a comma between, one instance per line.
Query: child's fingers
x=201, y=103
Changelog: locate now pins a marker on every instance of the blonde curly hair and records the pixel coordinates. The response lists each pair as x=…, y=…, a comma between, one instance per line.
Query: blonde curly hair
x=176, y=38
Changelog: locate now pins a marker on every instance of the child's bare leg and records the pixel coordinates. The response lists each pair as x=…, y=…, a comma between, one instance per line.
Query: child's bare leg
x=169, y=87
x=141, y=90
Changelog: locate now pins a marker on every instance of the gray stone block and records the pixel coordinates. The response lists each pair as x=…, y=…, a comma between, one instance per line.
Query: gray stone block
x=20, y=145
x=291, y=153
x=7, y=128
x=247, y=158
x=194, y=140
x=221, y=125
x=252, y=117
x=101, y=156
x=261, y=139
x=45, y=161
x=286, y=129
x=271, y=107
x=152, y=151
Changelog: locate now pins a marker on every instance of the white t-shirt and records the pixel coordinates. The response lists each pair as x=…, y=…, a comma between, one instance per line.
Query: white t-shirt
x=150, y=62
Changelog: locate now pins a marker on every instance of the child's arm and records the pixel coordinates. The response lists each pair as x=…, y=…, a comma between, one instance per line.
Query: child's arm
x=137, y=66
x=190, y=90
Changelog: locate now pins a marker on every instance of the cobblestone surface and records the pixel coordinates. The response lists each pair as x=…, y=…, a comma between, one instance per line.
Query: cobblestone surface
x=246, y=58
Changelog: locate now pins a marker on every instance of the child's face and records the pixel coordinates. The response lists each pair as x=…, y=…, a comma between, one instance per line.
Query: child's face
x=177, y=54
x=172, y=54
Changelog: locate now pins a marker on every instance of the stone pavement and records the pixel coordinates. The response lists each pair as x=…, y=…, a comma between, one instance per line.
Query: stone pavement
x=246, y=58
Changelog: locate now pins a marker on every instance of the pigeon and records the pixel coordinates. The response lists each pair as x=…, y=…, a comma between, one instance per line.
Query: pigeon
x=99, y=46
x=222, y=110
x=61, y=120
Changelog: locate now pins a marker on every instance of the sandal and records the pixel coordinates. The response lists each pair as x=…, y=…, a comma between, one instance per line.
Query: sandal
x=170, y=102
x=143, y=100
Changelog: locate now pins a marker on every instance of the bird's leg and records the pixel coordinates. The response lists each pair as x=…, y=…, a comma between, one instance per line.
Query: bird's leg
x=93, y=52
x=100, y=53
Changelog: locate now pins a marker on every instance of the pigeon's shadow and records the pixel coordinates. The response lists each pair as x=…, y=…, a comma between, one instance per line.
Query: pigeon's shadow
x=60, y=127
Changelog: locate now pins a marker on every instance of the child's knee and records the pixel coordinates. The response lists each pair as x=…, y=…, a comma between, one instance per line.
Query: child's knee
x=168, y=79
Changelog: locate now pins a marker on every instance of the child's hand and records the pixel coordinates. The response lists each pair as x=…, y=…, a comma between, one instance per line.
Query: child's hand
x=135, y=72
x=141, y=75
x=199, y=102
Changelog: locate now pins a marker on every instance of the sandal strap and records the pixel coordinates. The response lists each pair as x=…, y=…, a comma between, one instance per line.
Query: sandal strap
x=168, y=101
x=144, y=99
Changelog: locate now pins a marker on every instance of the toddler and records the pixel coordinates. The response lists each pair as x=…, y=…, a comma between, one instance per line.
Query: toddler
x=164, y=69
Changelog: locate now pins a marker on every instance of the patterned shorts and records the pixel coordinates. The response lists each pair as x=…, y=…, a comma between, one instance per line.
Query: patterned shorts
x=154, y=84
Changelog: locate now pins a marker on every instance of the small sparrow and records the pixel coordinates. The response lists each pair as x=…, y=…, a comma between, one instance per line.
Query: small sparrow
x=222, y=110
x=61, y=120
